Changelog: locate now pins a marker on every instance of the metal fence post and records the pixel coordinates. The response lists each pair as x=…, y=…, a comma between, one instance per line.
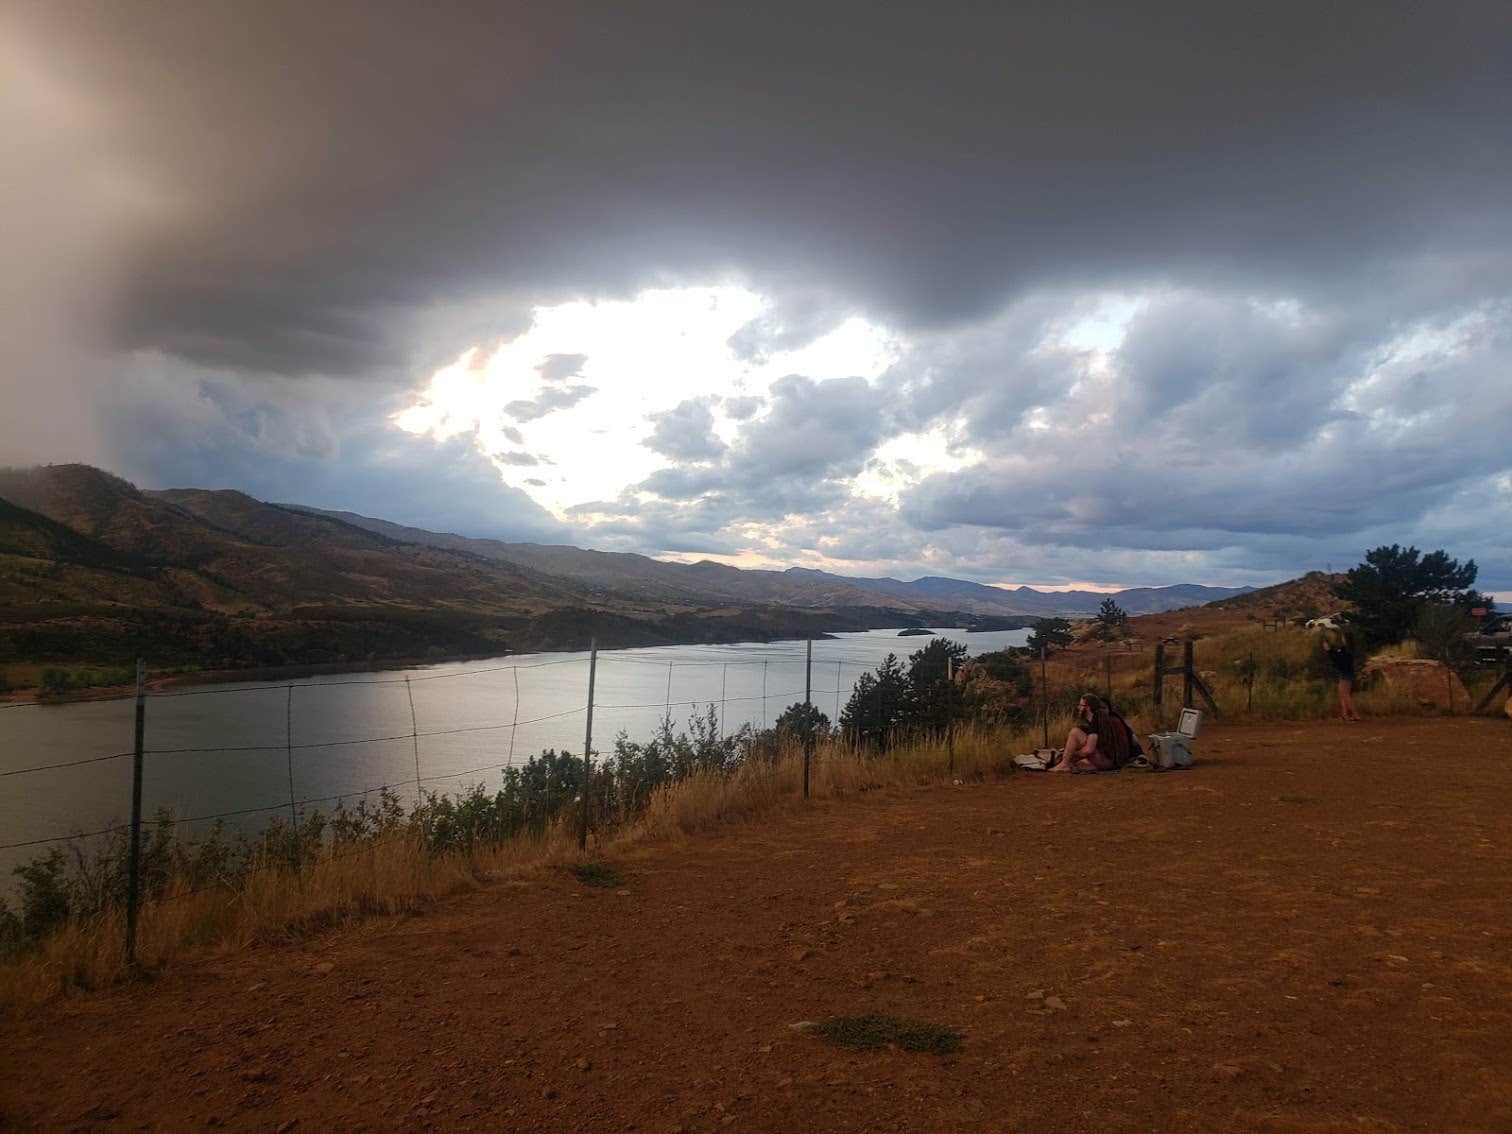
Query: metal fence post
x=414, y=738
x=808, y=716
x=134, y=866
x=1187, y=674
x=588, y=747
x=289, y=756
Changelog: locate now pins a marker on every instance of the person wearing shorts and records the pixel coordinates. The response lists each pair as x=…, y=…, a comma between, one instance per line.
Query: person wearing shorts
x=1337, y=650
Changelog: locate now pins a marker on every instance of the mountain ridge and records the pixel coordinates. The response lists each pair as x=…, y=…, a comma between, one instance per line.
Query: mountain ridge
x=928, y=593
x=94, y=570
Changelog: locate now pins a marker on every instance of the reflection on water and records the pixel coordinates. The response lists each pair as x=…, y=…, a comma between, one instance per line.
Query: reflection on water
x=215, y=749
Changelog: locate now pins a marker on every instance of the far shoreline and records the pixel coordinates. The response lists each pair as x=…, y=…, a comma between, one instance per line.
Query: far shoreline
x=34, y=696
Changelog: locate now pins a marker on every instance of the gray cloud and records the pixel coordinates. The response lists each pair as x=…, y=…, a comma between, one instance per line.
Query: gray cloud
x=228, y=213
x=795, y=459
x=685, y=433
x=794, y=322
x=742, y=409
x=558, y=367
x=549, y=401
x=519, y=459
x=331, y=169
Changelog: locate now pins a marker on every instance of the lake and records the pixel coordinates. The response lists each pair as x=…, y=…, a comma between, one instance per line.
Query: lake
x=235, y=748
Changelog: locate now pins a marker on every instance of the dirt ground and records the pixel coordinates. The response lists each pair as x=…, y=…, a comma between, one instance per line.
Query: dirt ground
x=1308, y=931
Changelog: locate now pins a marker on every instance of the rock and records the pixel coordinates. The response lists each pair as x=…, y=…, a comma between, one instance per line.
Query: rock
x=325, y=968
x=1055, y=1002
x=1424, y=681
x=801, y=953
x=1122, y=1023
x=583, y=1064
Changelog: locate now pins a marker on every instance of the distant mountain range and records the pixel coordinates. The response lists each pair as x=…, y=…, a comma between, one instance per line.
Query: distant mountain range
x=646, y=578
x=94, y=570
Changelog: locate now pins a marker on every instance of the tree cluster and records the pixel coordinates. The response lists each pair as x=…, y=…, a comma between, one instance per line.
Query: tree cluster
x=936, y=688
x=1398, y=591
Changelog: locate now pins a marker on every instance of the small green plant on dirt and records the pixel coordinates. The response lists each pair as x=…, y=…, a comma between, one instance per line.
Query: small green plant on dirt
x=596, y=873
x=878, y=1032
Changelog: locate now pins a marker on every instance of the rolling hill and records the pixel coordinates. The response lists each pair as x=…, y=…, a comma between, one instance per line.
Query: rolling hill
x=94, y=570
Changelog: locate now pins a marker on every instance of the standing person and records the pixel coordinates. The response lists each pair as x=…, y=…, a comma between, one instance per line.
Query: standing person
x=1337, y=650
x=1098, y=743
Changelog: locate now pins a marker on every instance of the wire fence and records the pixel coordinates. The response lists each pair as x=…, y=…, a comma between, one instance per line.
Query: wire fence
x=240, y=754
x=342, y=737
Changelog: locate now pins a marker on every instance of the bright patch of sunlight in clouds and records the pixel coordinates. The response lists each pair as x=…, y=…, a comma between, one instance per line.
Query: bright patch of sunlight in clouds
x=906, y=459
x=569, y=402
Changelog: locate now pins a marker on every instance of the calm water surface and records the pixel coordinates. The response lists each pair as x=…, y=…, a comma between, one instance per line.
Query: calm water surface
x=227, y=748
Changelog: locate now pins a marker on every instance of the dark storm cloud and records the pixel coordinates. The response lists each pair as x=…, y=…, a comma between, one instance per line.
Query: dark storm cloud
x=548, y=401
x=322, y=169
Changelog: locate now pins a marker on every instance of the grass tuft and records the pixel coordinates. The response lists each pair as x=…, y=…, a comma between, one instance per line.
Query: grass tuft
x=596, y=872
x=879, y=1032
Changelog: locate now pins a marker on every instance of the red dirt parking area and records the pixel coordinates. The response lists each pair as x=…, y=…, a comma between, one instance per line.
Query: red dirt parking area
x=1308, y=931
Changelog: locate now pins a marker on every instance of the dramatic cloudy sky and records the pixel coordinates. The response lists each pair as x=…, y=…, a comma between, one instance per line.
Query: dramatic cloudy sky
x=1097, y=293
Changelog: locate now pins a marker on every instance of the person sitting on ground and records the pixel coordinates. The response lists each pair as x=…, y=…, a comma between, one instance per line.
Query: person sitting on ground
x=1097, y=744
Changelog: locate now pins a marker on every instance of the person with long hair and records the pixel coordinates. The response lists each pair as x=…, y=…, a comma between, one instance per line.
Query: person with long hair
x=1337, y=649
x=1098, y=743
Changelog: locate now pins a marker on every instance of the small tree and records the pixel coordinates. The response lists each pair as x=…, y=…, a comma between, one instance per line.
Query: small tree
x=1111, y=621
x=1391, y=588
x=801, y=721
x=1440, y=630
x=935, y=698
x=879, y=706
x=1049, y=634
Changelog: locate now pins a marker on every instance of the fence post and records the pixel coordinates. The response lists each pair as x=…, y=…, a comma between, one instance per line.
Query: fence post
x=1045, y=696
x=514, y=724
x=1160, y=668
x=1249, y=706
x=808, y=716
x=950, y=715
x=1187, y=674
x=289, y=757
x=134, y=866
x=588, y=747
x=763, y=696
x=724, y=681
x=414, y=736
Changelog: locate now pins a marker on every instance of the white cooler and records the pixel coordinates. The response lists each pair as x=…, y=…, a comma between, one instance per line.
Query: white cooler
x=1174, y=749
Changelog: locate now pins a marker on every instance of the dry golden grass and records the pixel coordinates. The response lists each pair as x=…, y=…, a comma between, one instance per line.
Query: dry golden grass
x=395, y=873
